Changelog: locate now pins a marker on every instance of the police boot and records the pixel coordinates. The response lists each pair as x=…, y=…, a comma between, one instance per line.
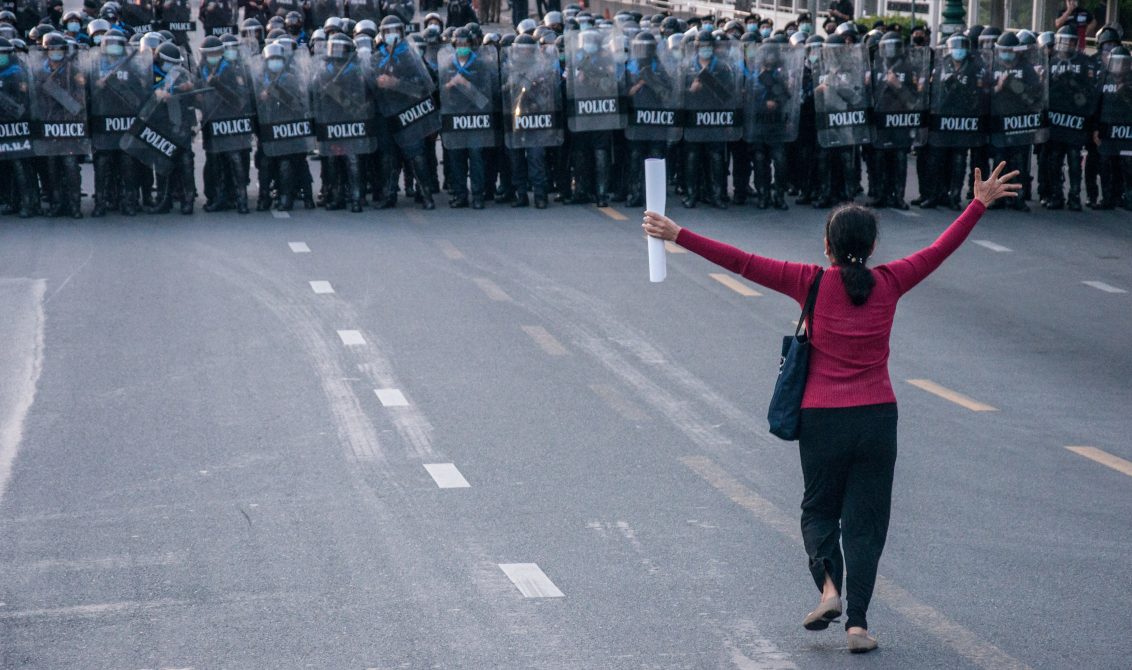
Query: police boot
x=356, y=195
x=333, y=191
x=74, y=192
x=420, y=169
x=582, y=177
x=219, y=188
x=102, y=182
x=237, y=178
x=1074, y=201
x=824, y=197
x=390, y=167
x=718, y=179
x=164, y=200
x=601, y=176
x=898, y=182
x=21, y=176
x=691, y=176
x=286, y=185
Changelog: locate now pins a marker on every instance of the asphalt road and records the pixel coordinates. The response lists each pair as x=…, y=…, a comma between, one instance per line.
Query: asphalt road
x=196, y=470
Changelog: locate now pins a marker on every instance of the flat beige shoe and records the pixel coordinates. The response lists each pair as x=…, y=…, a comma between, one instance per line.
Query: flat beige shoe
x=861, y=644
x=820, y=618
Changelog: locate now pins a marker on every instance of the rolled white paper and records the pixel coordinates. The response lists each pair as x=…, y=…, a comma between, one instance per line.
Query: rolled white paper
x=656, y=179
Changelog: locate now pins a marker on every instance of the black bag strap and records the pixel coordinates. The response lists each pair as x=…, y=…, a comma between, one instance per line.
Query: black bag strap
x=808, y=309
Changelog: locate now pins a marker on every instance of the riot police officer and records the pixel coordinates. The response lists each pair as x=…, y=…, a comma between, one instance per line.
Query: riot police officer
x=1017, y=102
x=59, y=103
x=959, y=105
x=227, y=126
x=118, y=86
x=592, y=87
x=712, y=94
x=900, y=81
x=1072, y=101
x=469, y=80
x=653, y=94
x=18, y=191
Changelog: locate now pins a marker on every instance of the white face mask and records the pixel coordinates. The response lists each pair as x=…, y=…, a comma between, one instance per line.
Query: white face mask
x=231, y=54
x=275, y=65
x=706, y=52
x=391, y=39
x=74, y=27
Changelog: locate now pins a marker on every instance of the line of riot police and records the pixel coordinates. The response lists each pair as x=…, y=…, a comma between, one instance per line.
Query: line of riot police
x=549, y=110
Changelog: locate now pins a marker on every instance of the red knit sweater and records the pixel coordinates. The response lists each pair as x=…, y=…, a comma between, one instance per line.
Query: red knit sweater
x=849, y=343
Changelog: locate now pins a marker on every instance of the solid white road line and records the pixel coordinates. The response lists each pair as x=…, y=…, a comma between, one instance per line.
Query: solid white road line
x=992, y=246
x=1107, y=288
x=299, y=247
x=391, y=398
x=351, y=338
x=447, y=476
x=21, y=361
x=280, y=215
x=320, y=286
x=531, y=581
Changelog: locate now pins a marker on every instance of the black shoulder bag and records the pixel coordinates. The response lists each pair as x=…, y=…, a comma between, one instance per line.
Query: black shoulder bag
x=786, y=404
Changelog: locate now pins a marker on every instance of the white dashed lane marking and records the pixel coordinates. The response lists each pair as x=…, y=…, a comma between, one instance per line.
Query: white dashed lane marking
x=351, y=338
x=321, y=286
x=992, y=246
x=447, y=476
x=299, y=247
x=391, y=397
x=531, y=581
x=1101, y=286
x=491, y=289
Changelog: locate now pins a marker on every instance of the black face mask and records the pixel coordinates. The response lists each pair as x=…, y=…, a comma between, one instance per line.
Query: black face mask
x=919, y=41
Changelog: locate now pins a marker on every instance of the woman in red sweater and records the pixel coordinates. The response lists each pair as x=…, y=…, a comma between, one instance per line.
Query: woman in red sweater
x=847, y=433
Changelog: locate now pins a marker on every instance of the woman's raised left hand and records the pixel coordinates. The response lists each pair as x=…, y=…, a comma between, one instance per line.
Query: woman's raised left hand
x=659, y=225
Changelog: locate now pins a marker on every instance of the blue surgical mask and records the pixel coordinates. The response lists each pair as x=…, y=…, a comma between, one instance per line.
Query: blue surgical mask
x=231, y=54
x=590, y=48
x=55, y=56
x=4, y=60
x=463, y=52
x=96, y=40
x=73, y=27
x=391, y=39
x=213, y=60
x=807, y=28
x=115, y=50
x=765, y=32
x=752, y=27
x=275, y=64
x=1006, y=56
x=706, y=52
x=959, y=54
x=708, y=26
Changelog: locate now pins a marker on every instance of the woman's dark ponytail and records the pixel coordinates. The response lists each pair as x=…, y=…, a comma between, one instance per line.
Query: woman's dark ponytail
x=852, y=231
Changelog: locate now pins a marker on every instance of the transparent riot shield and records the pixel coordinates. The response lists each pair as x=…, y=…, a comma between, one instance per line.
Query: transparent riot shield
x=959, y=101
x=59, y=105
x=1073, y=98
x=165, y=122
x=15, y=110
x=360, y=10
x=653, y=92
x=901, y=88
x=283, y=106
x=177, y=18
x=713, y=94
x=532, y=97
x=842, y=95
x=594, y=62
x=343, y=107
x=1018, y=96
x=772, y=100
x=139, y=15
x=1115, y=117
x=469, y=99
x=119, y=86
x=227, y=108
x=405, y=93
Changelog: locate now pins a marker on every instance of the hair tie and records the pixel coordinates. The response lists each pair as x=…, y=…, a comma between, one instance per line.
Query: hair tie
x=855, y=260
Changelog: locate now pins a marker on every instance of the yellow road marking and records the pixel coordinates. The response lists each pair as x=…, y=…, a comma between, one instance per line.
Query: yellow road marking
x=673, y=248
x=544, y=339
x=1104, y=458
x=735, y=285
x=491, y=289
x=450, y=250
x=613, y=213
x=620, y=404
x=979, y=652
x=954, y=396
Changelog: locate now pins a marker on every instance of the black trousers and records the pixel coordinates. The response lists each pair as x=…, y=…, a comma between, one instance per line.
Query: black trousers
x=848, y=456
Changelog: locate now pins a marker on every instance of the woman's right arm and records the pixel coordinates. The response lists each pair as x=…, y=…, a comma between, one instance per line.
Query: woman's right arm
x=911, y=270
x=792, y=279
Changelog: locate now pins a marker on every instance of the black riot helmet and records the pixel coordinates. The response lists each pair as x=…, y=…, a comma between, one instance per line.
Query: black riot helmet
x=643, y=46
x=526, y=26
x=1065, y=41
x=797, y=39
x=1107, y=39
x=705, y=37
x=1046, y=39
x=669, y=26
x=507, y=40
x=524, y=48
x=477, y=31
x=6, y=46
x=19, y=45
x=55, y=43
x=339, y=47
x=169, y=55
x=987, y=38
x=37, y=33
x=151, y=41
x=7, y=17
x=432, y=18
x=1119, y=61
x=211, y=46
x=365, y=27
x=974, y=31
x=548, y=39
x=1027, y=38
x=834, y=40
x=332, y=26
x=113, y=42
x=109, y=11
x=891, y=46
x=348, y=26
x=97, y=27
x=847, y=31
x=734, y=28
x=252, y=29
x=554, y=21
x=70, y=19
x=492, y=39
x=293, y=23
x=462, y=37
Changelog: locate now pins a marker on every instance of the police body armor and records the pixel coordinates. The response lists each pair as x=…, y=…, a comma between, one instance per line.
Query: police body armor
x=59, y=106
x=532, y=97
x=15, y=110
x=119, y=86
x=177, y=18
x=227, y=109
x=593, y=82
x=283, y=106
x=469, y=99
x=1115, y=118
x=360, y=10
x=713, y=95
x=901, y=98
x=959, y=101
x=165, y=122
x=842, y=96
x=219, y=17
x=405, y=93
x=772, y=97
x=654, y=92
x=1073, y=98
x=1018, y=97
x=343, y=107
